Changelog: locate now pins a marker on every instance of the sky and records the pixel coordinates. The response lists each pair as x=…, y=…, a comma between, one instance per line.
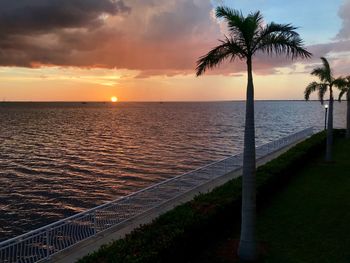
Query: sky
x=146, y=50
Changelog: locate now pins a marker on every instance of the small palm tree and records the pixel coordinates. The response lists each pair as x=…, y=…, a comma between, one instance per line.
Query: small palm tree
x=346, y=90
x=248, y=36
x=328, y=81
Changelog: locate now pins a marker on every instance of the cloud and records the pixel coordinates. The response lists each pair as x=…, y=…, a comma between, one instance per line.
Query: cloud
x=42, y=16
x=147, y=35
x=343, y=13
x=332, y=47
x=153, y=37
x=38, y=31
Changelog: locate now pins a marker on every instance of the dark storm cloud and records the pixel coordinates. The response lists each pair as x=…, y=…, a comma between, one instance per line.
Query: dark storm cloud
x=148, y=35
x=47, y=31
x=38, y=16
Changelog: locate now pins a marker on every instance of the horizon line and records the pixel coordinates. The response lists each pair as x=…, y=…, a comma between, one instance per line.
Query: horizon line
x=140, y=101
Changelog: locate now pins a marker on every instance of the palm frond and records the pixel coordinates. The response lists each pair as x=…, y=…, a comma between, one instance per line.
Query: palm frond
x=250, y=28
x=234, y=19
x=228, y=49
x=327, y=67
x=257, y=17
x=321, y=73
x=273, y=28
x=312, y=87
x=229, y=14
x=342, y=92
x=247, y=35
x=324, y=73
x=287, y=43
x=345, y=89
x=340, y=83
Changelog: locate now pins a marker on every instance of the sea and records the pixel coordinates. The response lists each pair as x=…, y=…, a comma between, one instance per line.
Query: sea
x=59, y=159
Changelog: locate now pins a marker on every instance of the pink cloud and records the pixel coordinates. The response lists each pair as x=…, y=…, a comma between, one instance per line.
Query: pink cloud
x=152, y=36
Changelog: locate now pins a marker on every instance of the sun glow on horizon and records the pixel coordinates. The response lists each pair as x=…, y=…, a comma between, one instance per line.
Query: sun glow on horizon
x=114, y=99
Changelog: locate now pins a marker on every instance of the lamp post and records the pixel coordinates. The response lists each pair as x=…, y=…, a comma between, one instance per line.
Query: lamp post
x=325, y=116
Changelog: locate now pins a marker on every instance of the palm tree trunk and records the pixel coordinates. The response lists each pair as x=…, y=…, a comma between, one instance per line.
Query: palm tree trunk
x=330, y=128
x=348, y=116
x=247, y=246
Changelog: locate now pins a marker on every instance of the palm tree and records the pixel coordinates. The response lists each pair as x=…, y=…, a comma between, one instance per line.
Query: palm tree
x=248, y=36
x=325, y=75
x=346, y=90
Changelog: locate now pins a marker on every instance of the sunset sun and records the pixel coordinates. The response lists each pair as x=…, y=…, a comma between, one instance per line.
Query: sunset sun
x=114, y=99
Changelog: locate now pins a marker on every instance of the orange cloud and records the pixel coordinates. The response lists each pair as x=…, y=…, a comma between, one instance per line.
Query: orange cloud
x=151, y=36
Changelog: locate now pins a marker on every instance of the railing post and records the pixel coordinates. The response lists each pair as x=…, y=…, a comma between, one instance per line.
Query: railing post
x=94, y=222
x=47, y=244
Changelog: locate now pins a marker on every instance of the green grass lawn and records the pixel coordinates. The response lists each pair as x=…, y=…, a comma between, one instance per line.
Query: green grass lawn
x=310, y=220
x=307, y=221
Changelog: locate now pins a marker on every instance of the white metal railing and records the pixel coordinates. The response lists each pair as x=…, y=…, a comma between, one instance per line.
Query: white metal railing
x=42, y=243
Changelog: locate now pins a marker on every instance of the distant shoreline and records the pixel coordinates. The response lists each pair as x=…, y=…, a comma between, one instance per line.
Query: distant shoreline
x=86, y=102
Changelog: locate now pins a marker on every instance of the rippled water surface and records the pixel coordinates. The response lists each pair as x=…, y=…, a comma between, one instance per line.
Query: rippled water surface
x=57, y=159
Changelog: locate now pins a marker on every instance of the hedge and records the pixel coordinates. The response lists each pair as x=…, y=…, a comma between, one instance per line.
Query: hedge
x=190, y=226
